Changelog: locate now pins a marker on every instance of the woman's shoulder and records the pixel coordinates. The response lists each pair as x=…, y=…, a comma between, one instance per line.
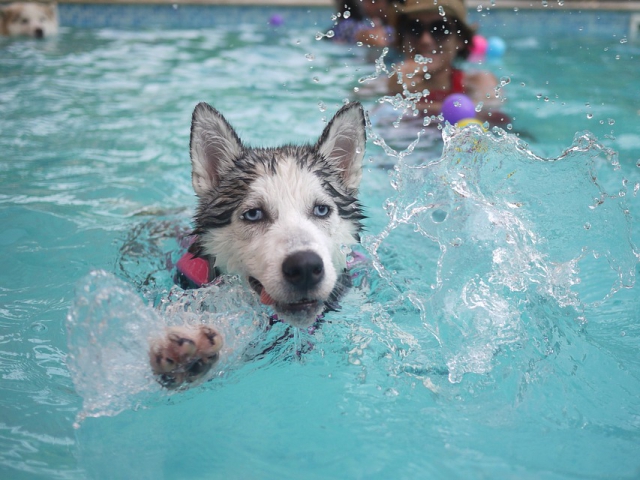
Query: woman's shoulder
x=480, y=77
x=480, y=84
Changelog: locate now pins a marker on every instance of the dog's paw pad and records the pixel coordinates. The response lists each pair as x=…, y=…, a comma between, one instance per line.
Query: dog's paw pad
x=184, y=355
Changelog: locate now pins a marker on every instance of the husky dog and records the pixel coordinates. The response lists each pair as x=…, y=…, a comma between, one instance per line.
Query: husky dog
x=37, y=20
x=278, y=217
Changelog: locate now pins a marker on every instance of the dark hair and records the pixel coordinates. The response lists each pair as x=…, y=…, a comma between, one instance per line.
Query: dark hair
x=404, y=24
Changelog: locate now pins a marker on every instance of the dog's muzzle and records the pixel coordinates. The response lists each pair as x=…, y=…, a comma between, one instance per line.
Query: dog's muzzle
x=303, y=270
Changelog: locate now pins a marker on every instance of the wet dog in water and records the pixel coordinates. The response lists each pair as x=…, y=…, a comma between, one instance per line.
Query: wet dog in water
x=280, y=218
x=29, y=19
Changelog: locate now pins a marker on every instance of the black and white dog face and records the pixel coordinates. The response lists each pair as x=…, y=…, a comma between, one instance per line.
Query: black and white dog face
x=282, y=218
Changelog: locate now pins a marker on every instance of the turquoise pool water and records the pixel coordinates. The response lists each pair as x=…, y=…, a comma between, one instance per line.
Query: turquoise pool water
x=497, y=336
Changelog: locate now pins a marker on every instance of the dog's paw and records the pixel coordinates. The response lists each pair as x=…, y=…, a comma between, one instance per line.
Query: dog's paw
x=184, y=355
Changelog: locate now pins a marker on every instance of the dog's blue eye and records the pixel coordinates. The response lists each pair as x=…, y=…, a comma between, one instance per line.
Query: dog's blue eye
x=253, y=215
x=321, y=210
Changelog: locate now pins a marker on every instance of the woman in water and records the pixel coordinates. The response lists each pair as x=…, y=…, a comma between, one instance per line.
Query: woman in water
x=433, y=36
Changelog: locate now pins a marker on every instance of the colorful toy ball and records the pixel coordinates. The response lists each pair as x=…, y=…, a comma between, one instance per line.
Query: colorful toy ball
x=496, y=47
x=276, y=20
x=479, y=46
x=457, y=107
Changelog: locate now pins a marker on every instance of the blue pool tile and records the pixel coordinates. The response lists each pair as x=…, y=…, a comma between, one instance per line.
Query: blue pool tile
x=501, y=22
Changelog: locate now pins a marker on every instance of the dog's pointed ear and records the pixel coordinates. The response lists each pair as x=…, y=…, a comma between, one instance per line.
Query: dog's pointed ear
x=214, y=147
x=343, y=142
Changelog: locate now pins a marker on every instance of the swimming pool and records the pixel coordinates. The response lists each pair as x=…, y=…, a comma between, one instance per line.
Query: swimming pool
x=500, y=335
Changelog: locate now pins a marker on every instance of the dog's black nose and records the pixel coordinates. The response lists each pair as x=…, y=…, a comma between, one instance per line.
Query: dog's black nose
x=303, y=270
x=39, y=33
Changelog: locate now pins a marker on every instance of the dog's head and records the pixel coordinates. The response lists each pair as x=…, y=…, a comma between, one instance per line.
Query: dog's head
x=282, y=218
x=30, y=19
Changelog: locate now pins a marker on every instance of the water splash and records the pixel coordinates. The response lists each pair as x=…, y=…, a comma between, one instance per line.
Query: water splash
x=513, y=254
x=109, y=329
x=489, y=251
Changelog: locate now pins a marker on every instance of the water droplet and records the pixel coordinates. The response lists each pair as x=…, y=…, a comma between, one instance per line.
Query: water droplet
x=391, y=392
x=479, y=107
x=316, y=80
x=346, y=14
x=587, y=226
x=456, y=242
x=589, y=115
x=545, y=3
x=439, y=216
x=310, y=57
x=479, y=8
x=611, y=121
x=523, y=84
x=504, y=81
x=322, y=106
x=38, y=327
x=623, y=40
x=441, y=11
x=330, y=34
x=356, y=89
x=539, y=96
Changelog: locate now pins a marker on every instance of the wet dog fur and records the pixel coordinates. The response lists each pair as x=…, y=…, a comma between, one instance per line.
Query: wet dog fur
x=282, y=219
x=29, y=19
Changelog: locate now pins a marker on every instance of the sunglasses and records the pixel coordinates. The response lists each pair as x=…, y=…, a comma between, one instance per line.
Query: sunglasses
x=438, y=29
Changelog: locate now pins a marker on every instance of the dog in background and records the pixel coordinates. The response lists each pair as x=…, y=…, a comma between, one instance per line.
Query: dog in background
x=280, y=218
x=29, y=19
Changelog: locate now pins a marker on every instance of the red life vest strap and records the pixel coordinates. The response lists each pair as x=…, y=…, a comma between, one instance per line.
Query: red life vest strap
x=457, y=79
x=194, y=268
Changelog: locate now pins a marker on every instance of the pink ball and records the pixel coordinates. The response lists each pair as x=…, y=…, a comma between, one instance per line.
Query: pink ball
x=479, y=46
x=456, y=107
